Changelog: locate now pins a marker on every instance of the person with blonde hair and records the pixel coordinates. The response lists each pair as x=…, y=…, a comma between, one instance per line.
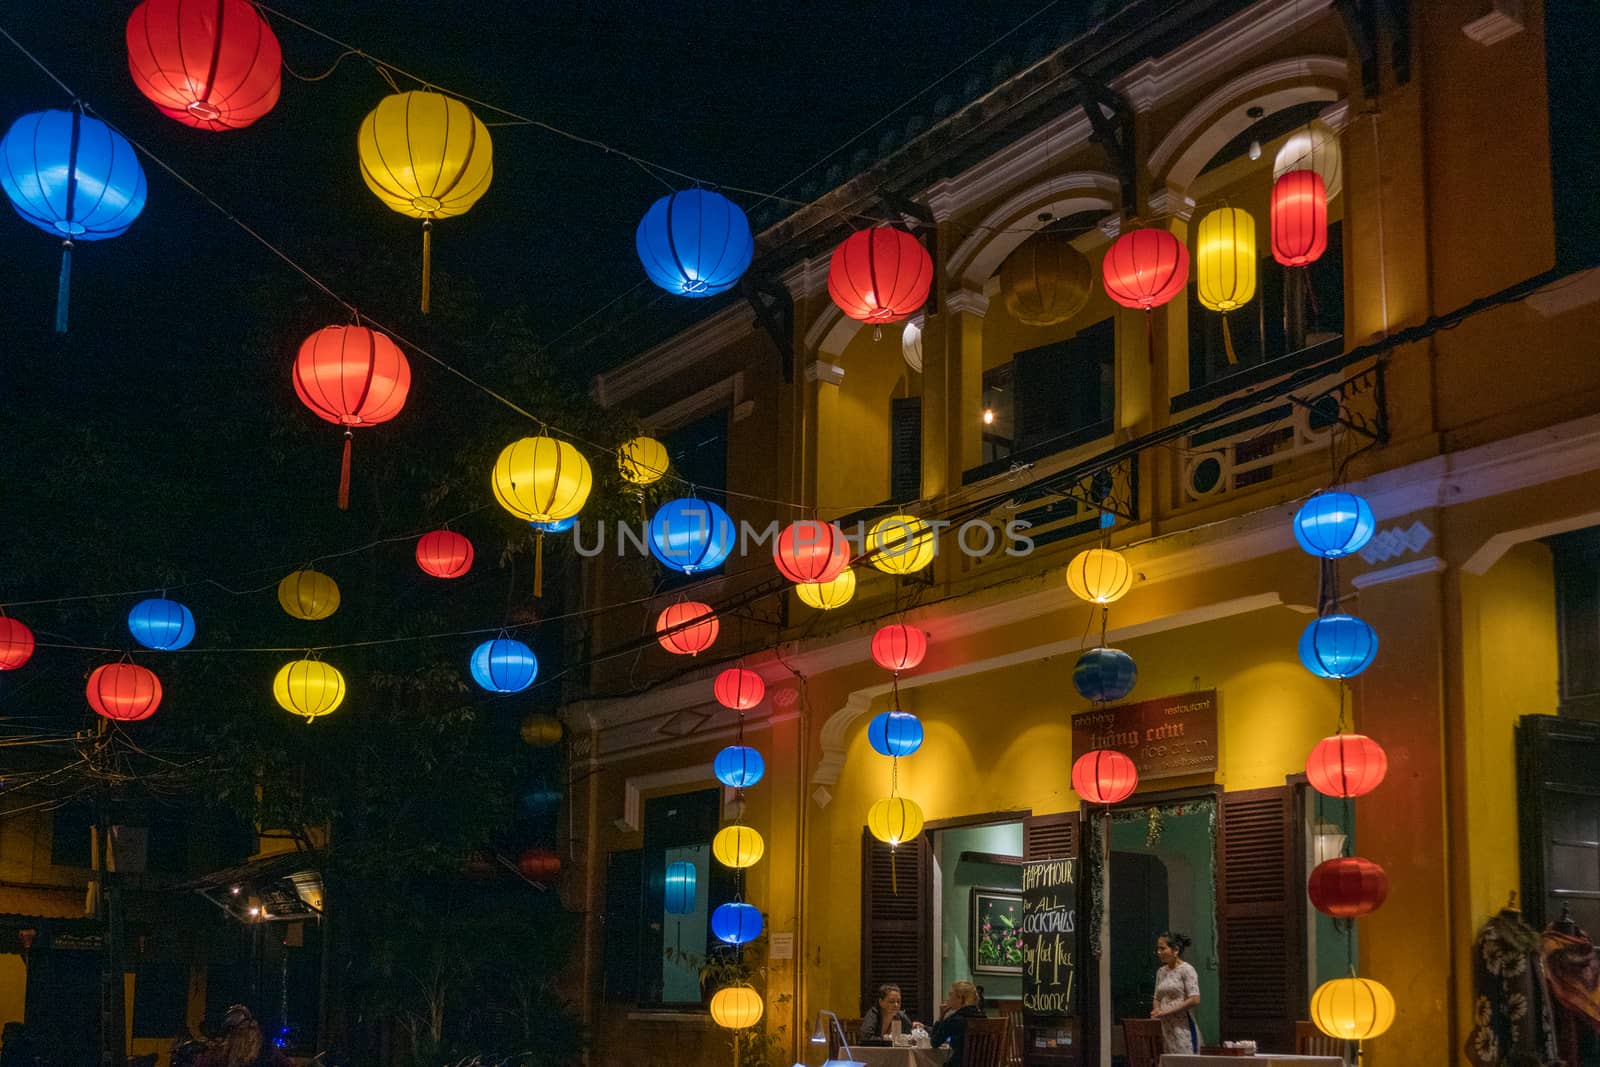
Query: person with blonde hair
x=960, y=1006
x=242, y=1044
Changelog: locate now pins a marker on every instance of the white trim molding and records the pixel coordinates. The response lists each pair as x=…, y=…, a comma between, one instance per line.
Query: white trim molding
x=673, y=356
x=634, y=788
x=730, y=391
x=977, y=258
x=1399, y=572
x=967, y=302
x=1503, y=20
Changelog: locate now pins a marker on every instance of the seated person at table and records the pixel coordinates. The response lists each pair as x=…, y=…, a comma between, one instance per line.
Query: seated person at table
x=959, y=1006
x=879, y=1019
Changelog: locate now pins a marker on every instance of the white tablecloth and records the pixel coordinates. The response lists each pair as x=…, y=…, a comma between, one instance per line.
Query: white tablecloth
x=1264, y=1059
x=879, y=1056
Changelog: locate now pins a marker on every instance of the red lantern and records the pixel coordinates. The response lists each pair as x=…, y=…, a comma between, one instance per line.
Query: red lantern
x=898, y=647
x=1346, y=765
x=739, y=689
x=212, y=64
x=479, y=866
x=16, y=643
x=444, y=554
x=1145, y=268
x=695, y=637
x=1347, y=887
x=539, y=865
x=880, y=275
x=1299, y=218
x=351, y=376
x=1104, y=776
x=811, y=551
x=125, y=692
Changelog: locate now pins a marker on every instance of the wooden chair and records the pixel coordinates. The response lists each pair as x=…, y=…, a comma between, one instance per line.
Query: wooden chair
x=852, y=1029
x=1144, y=1040
x=985, y=1044
x=1309, y=1041
x=1012, y=1013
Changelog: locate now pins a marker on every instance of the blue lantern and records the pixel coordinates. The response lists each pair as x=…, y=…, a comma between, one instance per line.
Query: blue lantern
x=690, y=535
x=738, y=766
x=540, y=801
x=559, y=526
x=680, y=888
x=694, y=243
x=1338, y=646
x=71, y=176
x=1334, y=524
x=504, y=665
x=164, y=625
x=895, y=733
x=1105, y=674
x=736, y=924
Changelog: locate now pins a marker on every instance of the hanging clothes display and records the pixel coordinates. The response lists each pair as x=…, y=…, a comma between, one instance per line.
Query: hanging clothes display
x=1572, y=970
x=1511, y=1010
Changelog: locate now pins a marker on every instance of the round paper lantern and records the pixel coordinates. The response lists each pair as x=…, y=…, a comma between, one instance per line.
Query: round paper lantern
x=1334, y=524
x=1314, y=146
x=1099, y=575
x=162, y=624
x=1352, y=1009
x=504, y=665
x=540, y=802
x=738, y=766
x=900, y=544
x=444, y=554
x=737, y=847
x=736, y=1007
x=1346, y=765
x=643, y=461
x=825, y=596
x=694, y=243
x=1225, y=259
x=1338, y=646
x=427, y=157
x=539, y=865
x=678, y=894
x=540, y=479
x=211, y=64
x=1104, y=675
x=73, y=177
x=351, y=376
x=1347, y=887
x=308, y=687
x=895, y=733
x=1046, y=280
x=911, y=344
x=1144, y=269
x=125, y=692
x=811, y=551
x=880, y=275
x=698, y=624
x=540, y=731
x=898, y=647
x=690, y=535
x=16, y=643
x=894, y=820
x=1299, y=218
x=739, y=689
x=1104, y=776
x=736, y=924
x=308, y=594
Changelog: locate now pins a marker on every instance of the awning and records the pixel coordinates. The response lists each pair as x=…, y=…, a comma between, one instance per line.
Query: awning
x=283, y=887
x=41, y=902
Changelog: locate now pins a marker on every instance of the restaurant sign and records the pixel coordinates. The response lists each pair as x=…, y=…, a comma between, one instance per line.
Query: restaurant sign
x=1049, y=936
x=1166, y=737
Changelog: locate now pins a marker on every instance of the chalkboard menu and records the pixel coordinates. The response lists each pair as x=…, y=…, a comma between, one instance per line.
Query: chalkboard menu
x=1049, y=937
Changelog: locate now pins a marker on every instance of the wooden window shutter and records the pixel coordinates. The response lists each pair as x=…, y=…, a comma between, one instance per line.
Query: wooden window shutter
x=896, y=923
x=1048, y=837
x=905, y=449
x=1260, y=917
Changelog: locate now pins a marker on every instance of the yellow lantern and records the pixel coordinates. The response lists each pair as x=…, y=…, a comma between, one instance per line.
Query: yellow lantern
x=825, y=596
x=894, y=820
x=1352, y=1009
x=540, y=479
x=1225, y=259
x=308, y=687
x=1099, y=575
x=426, y=156
x=1046, y=280
x=737, y=847
x=900, y=544
x=643, y=460
x=540, y=731
x=736, y=1007
x=309, y=594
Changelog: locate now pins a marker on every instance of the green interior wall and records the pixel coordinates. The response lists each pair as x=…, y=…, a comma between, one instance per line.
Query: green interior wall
x=956, y=882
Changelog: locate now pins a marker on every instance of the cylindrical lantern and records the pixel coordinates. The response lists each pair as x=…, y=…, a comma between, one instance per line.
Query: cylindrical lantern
x=540, y=802
x=691, y=535
x=539, y=865
x=811, y=551
x=162, y=624
x=308, y=687
x=900, y=544
x=678, y=894
x=1104, y=675
x=1314, y=146
x=739, y=689
x=444, y=554
x=1352, y=1009
x=1346, y=765
x=541, y=479
x=1099, y=575
x=504, y=665
x=125, y=692
x=1225, y=259
x=308, y=594
x=211, y=64
x=1347, y=887
x=895, y=733
x=1144, y=269
x=736, y=1007
x=643, y=460
x=736, y=924
x=894, y=820
x=1045, y=280
x=911, y=344
x=737, y=847
x=1299, y=218
x=540, y=731
x=738, y=766
x=351, y=376
x=898, y=647
x=825, y=596
x=687, y=628
x=880, y=275
x=694, y=243
x=1338, y=646
x=1104, y=776
x=16, y=643
x=1334, y=524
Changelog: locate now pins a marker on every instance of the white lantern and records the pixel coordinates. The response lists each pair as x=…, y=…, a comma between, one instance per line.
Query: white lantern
x=1314, y=146
x=911, y=343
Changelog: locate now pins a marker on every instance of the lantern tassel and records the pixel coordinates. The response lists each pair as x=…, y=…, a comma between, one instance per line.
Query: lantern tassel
x=427, y=261
x=64, y=286
x=344, y=476
x=1227, y=342
x=894, y=870
x=538, y=564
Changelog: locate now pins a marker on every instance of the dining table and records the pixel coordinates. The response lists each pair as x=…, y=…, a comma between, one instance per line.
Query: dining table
x=904, y=1056
x=1260, y=1059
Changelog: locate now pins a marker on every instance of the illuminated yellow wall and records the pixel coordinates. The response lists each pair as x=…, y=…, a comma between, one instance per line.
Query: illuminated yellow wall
x=13, y=987
x=853, y=421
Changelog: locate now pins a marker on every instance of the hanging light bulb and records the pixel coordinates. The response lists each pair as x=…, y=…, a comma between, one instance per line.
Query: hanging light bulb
x=988, y=416
x=1255, y=149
